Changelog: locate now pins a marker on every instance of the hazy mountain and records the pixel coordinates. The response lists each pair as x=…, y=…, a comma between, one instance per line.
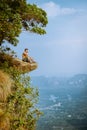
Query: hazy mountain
x=63, y=101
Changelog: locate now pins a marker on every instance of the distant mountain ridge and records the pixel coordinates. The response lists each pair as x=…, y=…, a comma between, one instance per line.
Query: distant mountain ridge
x=75, y=81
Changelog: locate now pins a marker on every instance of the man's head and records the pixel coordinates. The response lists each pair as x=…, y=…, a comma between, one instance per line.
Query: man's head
x=26, y=49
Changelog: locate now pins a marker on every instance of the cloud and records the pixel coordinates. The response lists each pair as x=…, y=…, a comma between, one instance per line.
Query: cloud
x=54, y=10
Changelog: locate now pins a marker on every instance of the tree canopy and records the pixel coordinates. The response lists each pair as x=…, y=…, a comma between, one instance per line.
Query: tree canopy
x=18, y=15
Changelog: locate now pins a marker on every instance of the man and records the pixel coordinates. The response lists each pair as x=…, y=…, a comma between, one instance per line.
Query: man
x=26, y=57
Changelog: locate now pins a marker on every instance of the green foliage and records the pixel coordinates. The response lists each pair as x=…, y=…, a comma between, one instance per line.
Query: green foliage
x=7, y=50
x=17, y=15
x=20, y=106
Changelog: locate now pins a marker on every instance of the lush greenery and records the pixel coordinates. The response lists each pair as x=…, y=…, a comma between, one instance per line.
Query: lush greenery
x=18, y=109
x=20, y=105
x=18, y=15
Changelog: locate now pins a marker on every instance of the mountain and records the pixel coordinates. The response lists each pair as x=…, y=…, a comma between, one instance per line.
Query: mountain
x=55, y=82
x=63, y=102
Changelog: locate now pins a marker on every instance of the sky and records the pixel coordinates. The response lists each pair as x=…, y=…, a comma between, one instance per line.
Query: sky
x=63, y=50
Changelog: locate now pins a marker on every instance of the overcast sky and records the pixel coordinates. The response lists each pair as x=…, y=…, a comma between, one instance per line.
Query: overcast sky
x=63, y=50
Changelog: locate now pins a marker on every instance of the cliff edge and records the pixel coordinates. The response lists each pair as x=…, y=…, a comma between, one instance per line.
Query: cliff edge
x=6, y=84
x=23, y=67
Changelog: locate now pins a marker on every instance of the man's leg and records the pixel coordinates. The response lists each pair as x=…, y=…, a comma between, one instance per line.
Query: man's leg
x=32, y=60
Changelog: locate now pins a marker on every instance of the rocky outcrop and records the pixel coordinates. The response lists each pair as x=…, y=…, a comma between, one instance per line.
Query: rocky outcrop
x=23, y=67
x=6, y=84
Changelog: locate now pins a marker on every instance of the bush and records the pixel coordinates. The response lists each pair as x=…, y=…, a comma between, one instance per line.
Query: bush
x=20, y=104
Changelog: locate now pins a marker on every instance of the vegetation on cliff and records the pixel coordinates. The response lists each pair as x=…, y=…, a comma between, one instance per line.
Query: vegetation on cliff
x=17, y=100
x=17, y=97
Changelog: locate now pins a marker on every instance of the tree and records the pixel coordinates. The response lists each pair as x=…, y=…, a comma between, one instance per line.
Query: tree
x=17, y=107
x=18, y=15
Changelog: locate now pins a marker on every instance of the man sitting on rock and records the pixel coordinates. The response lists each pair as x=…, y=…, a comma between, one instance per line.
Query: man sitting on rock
x=26, y=57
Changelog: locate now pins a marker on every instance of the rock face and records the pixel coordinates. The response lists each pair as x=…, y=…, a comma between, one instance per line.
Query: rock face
x=6, y=84
x=5, y=90
x=24, y=67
